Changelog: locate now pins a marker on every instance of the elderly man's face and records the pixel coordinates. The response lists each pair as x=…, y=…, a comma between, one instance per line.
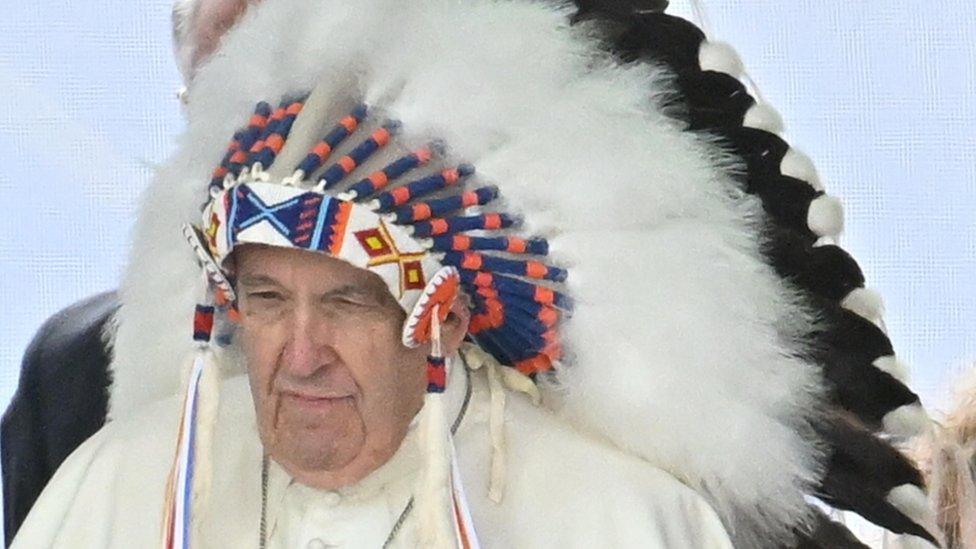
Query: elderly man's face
x=334, y=388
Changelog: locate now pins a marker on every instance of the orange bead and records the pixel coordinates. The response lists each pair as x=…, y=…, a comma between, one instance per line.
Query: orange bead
x=493, y=221
x=438, y=226
x=469, y=199
x=451, y=177
x=548, y=316
x=276, y=142
x=347, y=164
x=517, y=245
x=379, y=180
x=472, y=261
x=534, y=269
x=349, y=123
x=423, y=155
x=544, y=296
x=322, y=150
x=381, y=136
x=421, y=212
x=401, y=195
x=461, y=243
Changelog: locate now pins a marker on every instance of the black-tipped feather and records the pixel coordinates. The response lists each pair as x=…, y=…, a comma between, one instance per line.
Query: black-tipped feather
x=826, y=534
x=862, y=471
x=828, y=272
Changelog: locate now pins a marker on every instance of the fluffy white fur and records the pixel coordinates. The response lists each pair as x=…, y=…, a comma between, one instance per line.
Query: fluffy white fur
x=683, y=341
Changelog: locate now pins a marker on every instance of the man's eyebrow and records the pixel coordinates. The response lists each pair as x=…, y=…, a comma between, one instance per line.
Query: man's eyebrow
x=257, y=280
x=352, y=289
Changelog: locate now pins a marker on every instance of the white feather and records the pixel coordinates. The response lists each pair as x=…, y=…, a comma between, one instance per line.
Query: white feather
x=826, y=216
x=894, y=367
x=907, y=421
x=865, y=302
x=913, y=502
x=797, y=164
x=720, y=57
x=763, y=116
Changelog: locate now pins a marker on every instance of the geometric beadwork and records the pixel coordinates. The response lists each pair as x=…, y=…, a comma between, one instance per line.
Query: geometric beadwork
x=405, y=221
x=382, y=250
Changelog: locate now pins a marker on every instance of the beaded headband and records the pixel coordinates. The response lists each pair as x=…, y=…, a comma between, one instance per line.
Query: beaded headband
x=404, y=229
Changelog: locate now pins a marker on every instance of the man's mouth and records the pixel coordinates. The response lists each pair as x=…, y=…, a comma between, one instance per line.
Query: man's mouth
x=317, y=400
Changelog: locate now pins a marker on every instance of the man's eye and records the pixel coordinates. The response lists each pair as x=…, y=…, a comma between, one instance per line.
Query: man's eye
x=348, y=302
x=264, y=295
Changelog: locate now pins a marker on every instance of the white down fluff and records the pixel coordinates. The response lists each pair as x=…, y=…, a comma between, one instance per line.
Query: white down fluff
x=682, y=343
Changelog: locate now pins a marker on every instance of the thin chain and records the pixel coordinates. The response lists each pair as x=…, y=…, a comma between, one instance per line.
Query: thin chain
x=262, y=530
x=263, y=527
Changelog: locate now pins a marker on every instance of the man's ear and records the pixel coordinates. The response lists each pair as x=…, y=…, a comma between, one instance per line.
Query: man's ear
x=456, y=326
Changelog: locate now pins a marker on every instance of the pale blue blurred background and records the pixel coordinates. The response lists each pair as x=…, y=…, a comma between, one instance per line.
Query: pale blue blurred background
x=87, y=104
x=879, y=93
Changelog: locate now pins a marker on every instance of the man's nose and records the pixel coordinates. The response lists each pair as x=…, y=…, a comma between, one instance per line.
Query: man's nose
x=309, y=346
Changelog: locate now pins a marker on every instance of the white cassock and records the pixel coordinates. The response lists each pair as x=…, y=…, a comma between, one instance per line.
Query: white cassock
x=561, y=488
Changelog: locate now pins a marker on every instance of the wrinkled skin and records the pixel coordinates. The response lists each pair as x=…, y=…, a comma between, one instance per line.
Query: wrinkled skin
x=334, y=388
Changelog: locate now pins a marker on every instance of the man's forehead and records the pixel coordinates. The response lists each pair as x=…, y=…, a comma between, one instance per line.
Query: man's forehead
x=264, y=264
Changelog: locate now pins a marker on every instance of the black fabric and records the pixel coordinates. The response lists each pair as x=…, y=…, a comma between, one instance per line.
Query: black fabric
x=61, y=400
x=862, y=471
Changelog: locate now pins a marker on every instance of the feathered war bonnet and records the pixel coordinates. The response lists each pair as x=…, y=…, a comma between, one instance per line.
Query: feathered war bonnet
x=700, y=244
x=425, y=226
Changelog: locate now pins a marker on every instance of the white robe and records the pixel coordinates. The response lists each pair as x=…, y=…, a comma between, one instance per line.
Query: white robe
x=562, y=489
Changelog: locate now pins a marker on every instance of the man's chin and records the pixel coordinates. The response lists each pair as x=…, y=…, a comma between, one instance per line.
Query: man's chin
x=314, y=448
x=324, y=472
